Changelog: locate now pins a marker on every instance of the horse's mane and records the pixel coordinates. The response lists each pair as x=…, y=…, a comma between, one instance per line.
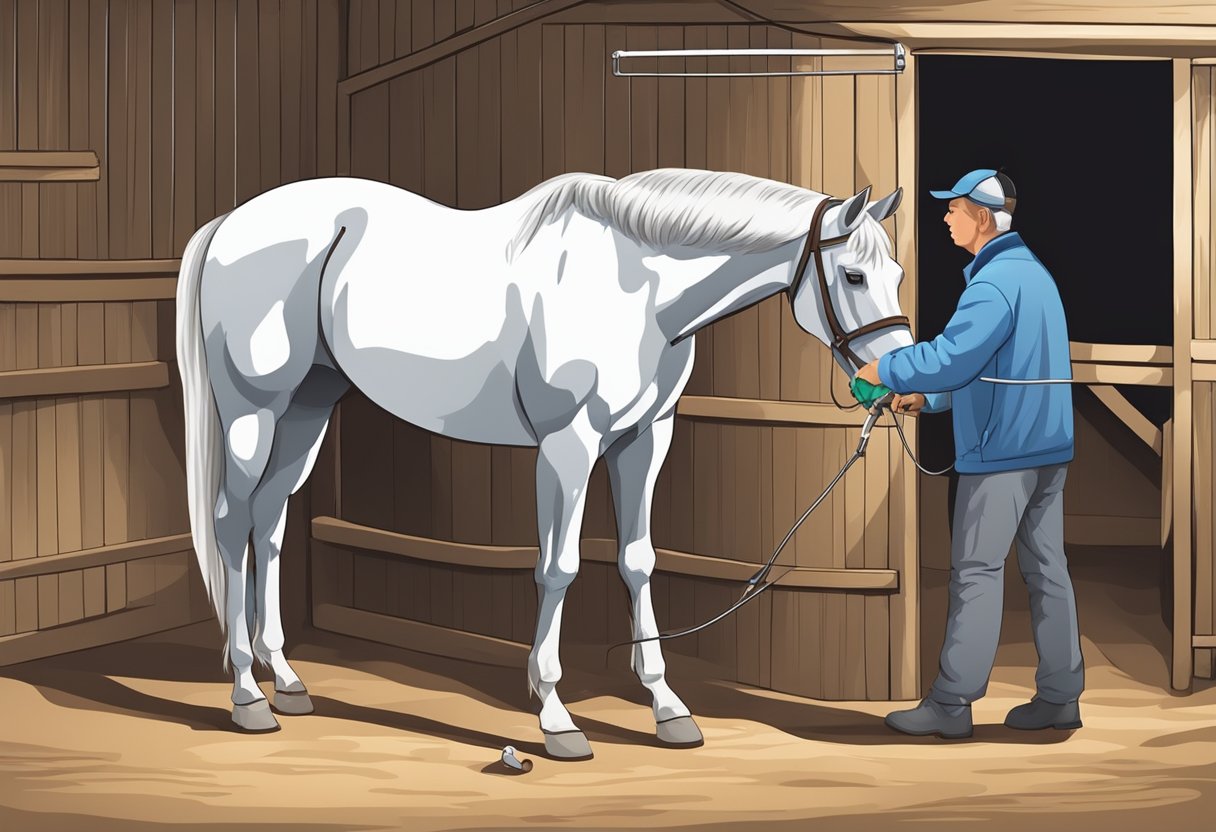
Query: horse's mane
x=726, y=212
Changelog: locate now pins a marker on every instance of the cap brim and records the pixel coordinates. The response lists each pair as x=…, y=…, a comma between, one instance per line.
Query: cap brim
x=944, y=194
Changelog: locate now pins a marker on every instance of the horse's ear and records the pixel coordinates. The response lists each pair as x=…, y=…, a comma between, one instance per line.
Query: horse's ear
x=885, y=207
x=853, y=210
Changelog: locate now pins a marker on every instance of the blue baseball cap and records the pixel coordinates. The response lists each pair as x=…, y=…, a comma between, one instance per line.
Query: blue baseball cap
x=986, y=187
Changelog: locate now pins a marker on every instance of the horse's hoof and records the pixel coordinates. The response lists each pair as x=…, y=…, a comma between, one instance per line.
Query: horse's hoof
x=292, y=702
x=568, y=745
x=255, y=717
x=679, y=732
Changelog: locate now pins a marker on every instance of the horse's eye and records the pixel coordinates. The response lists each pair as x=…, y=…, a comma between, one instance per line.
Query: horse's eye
x=854, y=278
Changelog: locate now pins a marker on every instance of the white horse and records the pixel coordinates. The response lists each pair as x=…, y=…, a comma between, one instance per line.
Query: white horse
x=562, y=319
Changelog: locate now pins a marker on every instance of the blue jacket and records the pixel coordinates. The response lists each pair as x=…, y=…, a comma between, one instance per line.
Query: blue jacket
x=1009, y=324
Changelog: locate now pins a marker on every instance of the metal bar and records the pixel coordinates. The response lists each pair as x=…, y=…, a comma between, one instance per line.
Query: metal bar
x=728, y=53
x=897, y=53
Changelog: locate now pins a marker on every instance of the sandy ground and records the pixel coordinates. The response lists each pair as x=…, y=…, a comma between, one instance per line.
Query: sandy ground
x=135, y=736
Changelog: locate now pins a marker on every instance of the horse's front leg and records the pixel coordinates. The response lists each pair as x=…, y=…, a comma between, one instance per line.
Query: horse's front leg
x=563, y=467
x=633, y=468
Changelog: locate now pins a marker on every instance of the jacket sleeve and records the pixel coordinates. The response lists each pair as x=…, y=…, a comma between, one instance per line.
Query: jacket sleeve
x=980, y=324
x=937, y=402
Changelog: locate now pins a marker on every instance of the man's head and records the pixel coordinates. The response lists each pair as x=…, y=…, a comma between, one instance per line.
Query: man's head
x=981, y=207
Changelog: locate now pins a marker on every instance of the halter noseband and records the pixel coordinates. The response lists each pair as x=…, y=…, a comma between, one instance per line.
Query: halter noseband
x=840, y=338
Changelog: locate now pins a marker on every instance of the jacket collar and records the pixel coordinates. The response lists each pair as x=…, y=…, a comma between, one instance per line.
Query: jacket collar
x=997, y=245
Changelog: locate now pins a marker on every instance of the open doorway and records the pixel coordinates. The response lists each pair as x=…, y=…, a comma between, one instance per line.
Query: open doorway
x=1088, y=144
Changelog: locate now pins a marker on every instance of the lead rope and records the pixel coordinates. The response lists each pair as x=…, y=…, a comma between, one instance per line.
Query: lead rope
x=758, y=583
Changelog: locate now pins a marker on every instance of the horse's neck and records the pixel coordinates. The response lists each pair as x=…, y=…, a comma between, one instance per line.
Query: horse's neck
x=694, y=291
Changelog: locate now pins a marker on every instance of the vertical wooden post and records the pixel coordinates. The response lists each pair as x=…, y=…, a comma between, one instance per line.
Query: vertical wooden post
x=905, y=554
x=1182, y=664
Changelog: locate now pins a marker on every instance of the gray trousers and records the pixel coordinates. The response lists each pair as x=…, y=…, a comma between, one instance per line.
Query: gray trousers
x=990, y=511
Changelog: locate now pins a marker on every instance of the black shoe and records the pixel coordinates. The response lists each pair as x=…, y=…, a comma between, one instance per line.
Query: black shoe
x=929, y=717
x=1038, y=714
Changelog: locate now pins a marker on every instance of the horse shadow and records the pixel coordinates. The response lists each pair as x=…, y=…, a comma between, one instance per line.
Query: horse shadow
x=92, y=680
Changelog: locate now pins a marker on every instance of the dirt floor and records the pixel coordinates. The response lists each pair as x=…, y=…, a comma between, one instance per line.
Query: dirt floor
x=135, y=736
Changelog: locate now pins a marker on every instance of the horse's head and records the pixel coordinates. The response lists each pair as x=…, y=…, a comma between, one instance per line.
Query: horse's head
x=846, y=293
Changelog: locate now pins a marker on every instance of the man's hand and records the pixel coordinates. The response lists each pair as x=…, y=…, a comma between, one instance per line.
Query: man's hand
x=869, y=373
x=910, y=403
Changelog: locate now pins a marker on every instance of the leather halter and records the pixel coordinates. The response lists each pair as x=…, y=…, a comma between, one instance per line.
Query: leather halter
x=814, y=245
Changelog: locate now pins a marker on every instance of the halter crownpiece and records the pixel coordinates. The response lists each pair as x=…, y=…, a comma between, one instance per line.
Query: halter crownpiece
x=840, y=338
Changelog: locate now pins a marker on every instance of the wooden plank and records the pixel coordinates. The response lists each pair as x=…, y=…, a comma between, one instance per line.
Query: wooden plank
x=6, y=481
x=8, y=604
x=878, y=487
x=94, y=198
x=446, y=46
x=479, y=556
x=206, y=99
x=116, y=587
x=127, y=625
x=1201, y=163
x=92, y=476
x=49, y=166
x=67, y=476
x=104, y=289
x=94, y=591
x=100, y=378
x=1151, y=376
x=48, y=601
x=71, y=597
x=1128, y=414
x=248, y=105
x=26, y=590
x=552, y=108
x=291, y=43
x=1182, y=658
x=269, y=69
x=1205, y=544
x=139, y=113
x=617, y=162
x=117, y=455
x=118, y=138
x=1081, y=351
x=226, y=103
x=730, y=409
x=84, y=268
x=10, y=194
x=422, y=638
x=48, y=517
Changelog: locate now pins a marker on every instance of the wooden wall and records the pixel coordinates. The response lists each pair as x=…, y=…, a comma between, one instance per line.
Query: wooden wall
x=540, y=100
x=190, y=108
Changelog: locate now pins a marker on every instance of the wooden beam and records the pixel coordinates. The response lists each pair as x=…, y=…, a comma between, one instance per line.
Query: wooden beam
x=1203, y=372
x=808, y=414
x=1111, y=40
x=100, y=556
x=1120, y=353
x=49, y=166
x=1204, y=350
x=87, y=268
x=1182, y=667
x=422, y=638
x=343, y=533
x=905, y=556
x=92, y=378
x=94, y=632
x=1128, y=414
x=1149, y=376
x=450, y=46
x=1203, y=641
x=69, y=290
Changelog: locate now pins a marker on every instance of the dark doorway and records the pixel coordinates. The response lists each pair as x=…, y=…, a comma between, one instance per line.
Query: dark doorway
x=1089, y=147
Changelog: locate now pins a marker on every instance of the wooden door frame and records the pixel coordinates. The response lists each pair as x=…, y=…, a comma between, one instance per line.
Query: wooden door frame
x=1182, y=636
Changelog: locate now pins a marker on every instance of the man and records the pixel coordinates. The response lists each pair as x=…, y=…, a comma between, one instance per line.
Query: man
x=1012, y=444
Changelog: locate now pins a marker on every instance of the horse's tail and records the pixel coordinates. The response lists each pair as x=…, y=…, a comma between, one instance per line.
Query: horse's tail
x=204, y=457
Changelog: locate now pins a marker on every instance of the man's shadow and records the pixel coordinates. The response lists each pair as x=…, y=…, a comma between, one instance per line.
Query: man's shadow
x=91, y=680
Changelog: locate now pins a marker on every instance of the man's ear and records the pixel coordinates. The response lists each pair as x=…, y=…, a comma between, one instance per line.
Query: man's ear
x=853, y=210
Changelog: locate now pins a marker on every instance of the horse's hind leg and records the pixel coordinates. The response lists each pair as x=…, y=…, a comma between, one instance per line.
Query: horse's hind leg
x=248, y=438
x=297, y=438
x=633, y=469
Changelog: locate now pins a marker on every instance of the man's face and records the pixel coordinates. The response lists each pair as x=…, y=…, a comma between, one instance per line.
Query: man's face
x=966, y=222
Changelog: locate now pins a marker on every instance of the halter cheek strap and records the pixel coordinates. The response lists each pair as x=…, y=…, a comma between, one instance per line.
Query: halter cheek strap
x=841, y=339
